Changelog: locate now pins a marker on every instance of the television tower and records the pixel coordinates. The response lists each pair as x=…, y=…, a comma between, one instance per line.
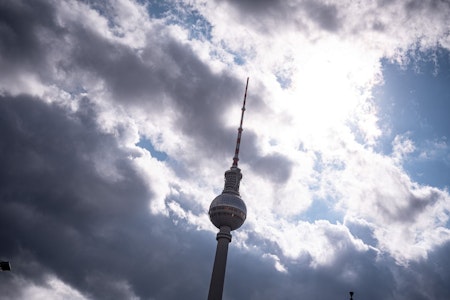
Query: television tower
x=227, y=212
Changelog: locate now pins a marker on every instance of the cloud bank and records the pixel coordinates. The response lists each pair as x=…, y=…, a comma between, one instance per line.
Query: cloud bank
x=118, y=120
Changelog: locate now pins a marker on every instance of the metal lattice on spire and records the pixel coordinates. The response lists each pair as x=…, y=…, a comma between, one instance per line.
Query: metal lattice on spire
x=238, y=140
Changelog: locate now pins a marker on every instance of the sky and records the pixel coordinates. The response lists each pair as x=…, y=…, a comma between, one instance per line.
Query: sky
x=119, y=118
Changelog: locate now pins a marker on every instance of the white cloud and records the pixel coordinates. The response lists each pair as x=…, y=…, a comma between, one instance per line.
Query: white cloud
x=53, y=288
x=401, y=147
x=405, y=215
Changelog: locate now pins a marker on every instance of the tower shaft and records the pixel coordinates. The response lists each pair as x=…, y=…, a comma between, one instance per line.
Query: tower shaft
x=220, y=263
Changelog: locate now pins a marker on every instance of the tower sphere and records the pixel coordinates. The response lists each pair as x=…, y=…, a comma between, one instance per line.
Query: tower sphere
x=228, y=209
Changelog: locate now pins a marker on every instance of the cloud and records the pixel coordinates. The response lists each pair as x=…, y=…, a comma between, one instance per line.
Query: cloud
x=64, y=217
x=275, y=168
x=407, y=217
x=88, y=213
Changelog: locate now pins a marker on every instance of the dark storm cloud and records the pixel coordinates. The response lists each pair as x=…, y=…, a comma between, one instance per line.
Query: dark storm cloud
x=271, y=17
x=274, y=167
x=408, y=211
x=362, y=272
x=60, y=216
x=165, y=73
x=430, y=278
x=129, y=77
x=19, y=26
x=431, y=5
x=256, y=5
x=325, y=15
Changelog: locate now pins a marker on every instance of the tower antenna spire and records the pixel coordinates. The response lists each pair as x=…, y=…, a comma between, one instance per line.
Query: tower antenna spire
x=240, y=129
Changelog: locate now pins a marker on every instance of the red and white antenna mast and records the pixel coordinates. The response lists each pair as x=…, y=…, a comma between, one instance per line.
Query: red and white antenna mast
x=240, y=129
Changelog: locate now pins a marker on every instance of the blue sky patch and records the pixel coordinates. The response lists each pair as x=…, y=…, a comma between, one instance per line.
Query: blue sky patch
x=321, y=209
x=146, y=144
x=415, y=101
x=181, y=14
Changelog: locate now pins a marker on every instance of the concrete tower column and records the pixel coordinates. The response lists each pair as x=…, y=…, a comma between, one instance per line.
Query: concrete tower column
x=220, y=263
